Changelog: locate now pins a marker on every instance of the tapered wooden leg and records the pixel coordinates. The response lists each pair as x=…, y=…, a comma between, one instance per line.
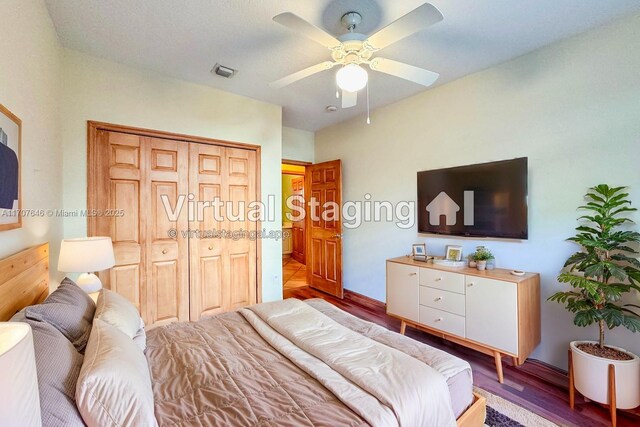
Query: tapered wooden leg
x=498, y=358
x=572, y=391
x=612, y=395
x=514, y=361
x=403, y=327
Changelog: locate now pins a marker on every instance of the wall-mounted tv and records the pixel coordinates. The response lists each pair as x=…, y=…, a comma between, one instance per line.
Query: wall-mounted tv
x=484, y=200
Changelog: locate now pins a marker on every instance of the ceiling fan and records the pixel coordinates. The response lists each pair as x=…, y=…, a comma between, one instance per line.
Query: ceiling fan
x=353, y=50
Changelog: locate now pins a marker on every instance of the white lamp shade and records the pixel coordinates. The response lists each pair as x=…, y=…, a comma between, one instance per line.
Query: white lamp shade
x=352, y=78
x=84, y=255
x=19, y=398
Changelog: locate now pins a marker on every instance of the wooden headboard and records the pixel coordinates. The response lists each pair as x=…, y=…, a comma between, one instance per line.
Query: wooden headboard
x=24, y=280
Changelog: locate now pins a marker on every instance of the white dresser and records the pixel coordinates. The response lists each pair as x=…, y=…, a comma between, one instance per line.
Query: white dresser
x=490, y=311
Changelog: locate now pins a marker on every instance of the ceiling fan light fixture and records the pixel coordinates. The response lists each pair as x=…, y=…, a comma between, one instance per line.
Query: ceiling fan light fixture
x=352, y=78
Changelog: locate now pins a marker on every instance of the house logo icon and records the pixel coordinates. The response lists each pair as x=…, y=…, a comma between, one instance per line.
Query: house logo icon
x=444, y=205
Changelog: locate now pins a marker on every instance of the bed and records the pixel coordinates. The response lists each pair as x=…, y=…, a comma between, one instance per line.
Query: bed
x=287, y=363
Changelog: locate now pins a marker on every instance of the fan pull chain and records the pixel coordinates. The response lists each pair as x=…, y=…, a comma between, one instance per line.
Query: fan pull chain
x=368, y=115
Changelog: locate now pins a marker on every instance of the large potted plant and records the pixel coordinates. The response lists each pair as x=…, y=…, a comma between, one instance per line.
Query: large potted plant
x=601, y=273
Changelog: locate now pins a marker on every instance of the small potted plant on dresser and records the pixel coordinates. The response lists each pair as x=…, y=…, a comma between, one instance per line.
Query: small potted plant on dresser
x=601, y=274
x=481, y=256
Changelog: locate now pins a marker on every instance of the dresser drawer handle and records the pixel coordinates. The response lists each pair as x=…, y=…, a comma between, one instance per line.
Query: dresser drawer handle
x=438, y=279
x=413, y=274
x=164, y=252
x=470, y=284
x=438, y=299
x=210, y=248
x=439, y=319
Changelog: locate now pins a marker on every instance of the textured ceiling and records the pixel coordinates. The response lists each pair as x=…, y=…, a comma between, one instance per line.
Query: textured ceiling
x=184, y=39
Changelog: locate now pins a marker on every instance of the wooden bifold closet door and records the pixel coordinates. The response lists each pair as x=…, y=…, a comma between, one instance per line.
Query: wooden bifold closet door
x=170, y=264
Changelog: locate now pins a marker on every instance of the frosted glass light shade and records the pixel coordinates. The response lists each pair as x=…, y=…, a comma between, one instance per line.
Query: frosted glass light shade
x=86, y=255
x=19, y=397
x=352, y=78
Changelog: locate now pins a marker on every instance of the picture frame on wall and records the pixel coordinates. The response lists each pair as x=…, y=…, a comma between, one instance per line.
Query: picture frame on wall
x=454, y=253
x=10, y=162
x=419, y=250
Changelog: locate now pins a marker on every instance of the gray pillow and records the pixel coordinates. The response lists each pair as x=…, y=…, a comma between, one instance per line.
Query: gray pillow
x=58, y=365
x=69, y=309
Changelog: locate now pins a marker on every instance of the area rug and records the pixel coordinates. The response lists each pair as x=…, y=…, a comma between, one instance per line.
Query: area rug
x=502, y=413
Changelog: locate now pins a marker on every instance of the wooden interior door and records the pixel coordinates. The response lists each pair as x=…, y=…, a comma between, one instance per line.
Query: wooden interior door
x=241, y=247
x=298, y=237
x=206, y=175
x=167, y=271
x=167, y=252
x=131, y=173
x=324, y=227
x=115, y=183
x=223, y=267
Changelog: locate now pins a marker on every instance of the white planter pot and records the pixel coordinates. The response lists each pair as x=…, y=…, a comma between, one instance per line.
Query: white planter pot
x=481, y=265
x=591, y=377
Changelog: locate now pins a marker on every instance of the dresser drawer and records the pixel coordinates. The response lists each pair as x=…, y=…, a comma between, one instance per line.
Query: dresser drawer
x=453, y=282
x=442, y=320
x=442, y=300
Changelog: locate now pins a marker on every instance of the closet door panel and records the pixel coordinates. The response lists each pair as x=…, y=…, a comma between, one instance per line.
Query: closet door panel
x=241, y=166
x=116, y=164
x=207, y=250
x=174, y=266
x=240, y=280
x=167, y=247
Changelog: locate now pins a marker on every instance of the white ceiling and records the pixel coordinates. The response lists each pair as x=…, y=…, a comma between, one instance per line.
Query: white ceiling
x=185, y=38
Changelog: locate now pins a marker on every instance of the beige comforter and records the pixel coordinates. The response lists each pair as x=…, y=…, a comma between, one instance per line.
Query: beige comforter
x=374, y=380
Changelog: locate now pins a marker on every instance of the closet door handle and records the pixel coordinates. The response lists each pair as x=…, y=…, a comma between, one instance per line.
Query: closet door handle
x=470, y=284
x=413, y=274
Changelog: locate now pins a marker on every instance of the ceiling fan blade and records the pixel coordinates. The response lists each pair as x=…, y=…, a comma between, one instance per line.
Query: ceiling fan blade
x=418, y=19
x=299, y=25
x=405, y=71
x=349, y=99
x=291, y=78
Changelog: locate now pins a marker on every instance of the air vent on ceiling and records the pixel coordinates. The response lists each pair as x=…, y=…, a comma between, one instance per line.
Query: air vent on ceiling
x=223, y=71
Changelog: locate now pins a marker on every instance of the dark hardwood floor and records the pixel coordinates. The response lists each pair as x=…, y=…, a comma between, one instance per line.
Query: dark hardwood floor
x=535, y=385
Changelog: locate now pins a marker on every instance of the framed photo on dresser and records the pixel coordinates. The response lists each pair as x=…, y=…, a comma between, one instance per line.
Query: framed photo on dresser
x=10, y=197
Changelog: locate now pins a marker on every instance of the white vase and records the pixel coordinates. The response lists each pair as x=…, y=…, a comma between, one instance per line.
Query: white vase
x=481, y=265
x=591, y=377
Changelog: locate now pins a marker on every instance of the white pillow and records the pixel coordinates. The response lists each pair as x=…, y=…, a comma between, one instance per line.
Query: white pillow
x=141, y=337
x=117, y=311
x=114, y=386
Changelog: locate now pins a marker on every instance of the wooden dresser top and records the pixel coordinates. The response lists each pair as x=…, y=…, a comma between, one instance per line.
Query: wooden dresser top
x=497, y=273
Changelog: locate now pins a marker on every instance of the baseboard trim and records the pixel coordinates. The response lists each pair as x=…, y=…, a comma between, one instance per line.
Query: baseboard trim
x=364, y=300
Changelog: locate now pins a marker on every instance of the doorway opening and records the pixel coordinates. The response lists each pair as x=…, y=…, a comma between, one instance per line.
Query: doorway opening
x=294, y=269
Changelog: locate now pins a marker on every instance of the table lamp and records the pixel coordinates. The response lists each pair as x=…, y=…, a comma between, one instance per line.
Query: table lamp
x=86, y=255
x=19, y=398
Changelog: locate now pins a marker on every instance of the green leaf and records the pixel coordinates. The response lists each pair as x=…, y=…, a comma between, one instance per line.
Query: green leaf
x=586, y=318
x=612, y=315
x=576, y=258
x=632, y=323
x=594, y=197
x=629, y=260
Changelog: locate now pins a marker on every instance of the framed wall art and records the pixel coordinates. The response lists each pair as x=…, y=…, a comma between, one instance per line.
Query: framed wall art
x=10, y=195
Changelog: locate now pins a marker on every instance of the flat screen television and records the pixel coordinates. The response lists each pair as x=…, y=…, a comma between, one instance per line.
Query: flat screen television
x=484, y=200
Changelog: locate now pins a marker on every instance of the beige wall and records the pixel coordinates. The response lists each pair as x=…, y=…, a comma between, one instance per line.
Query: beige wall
x=30, y=87
x=572, y=108
x=95, y=89
x=297, y=144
